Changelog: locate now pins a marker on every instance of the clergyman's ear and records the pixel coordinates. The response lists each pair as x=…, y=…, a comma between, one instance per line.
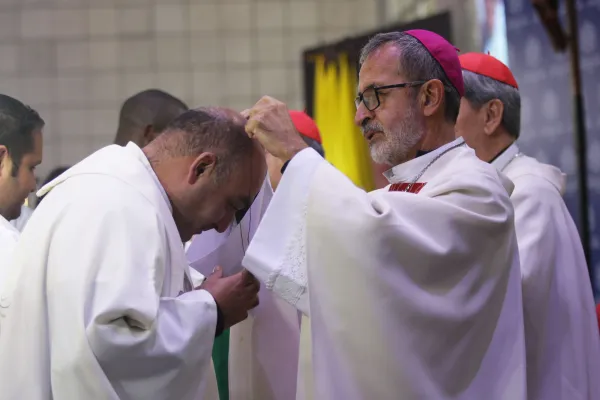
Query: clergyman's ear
x=3, y=157
x=203, y=165
x=432, y=95
x=494, y=110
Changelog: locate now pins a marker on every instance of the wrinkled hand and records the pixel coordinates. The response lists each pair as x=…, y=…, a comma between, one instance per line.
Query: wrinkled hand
x=270, y=123
x=234, y=294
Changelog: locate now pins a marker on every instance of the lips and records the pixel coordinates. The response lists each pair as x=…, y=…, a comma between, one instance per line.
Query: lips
x=370, y=135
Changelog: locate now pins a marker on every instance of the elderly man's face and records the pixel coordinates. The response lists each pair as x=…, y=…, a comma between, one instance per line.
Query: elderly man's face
x=395, y=127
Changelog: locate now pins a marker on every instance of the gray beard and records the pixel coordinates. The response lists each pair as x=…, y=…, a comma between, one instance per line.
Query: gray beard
x=393, y=149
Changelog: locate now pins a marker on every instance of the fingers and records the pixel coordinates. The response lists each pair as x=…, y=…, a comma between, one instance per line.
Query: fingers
x=267, y=100
x=251, y=127
x=217, y=272
x=252, y=287
x=248, y=278
x=246, y=281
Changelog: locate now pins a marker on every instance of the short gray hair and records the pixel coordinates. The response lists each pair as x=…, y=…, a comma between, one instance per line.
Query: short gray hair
x=480, y=89
x=217, y=130
x=417, y=64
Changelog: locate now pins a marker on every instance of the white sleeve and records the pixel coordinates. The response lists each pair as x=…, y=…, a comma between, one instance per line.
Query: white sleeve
x=275, y=245
x=143, y=342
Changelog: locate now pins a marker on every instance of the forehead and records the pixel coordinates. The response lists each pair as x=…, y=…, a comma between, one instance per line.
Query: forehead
x=382, y=67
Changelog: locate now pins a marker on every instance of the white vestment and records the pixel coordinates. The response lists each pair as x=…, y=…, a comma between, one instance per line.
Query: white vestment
x=410, y=296
x=98, y=303
x=9, y=236
x=263, y=349
x=561, y=327
x=20, y=222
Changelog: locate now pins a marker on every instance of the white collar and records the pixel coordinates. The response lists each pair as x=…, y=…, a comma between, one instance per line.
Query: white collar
x=506, y=157
x=409, y=169
x=5, y=224
x=137, y=152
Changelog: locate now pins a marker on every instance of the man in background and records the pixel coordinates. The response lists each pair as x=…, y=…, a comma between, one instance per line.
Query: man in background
x=144, y=115
x=101, y=274
x=561, y=331
x=20, y=153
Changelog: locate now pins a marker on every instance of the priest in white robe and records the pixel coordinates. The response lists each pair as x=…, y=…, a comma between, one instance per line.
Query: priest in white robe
x=99, y=303
x=261, y=353
x=20, y=153
x=561, y=330
x=413, y=291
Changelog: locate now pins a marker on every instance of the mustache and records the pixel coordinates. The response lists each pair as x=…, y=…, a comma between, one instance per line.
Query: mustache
x=371, y=127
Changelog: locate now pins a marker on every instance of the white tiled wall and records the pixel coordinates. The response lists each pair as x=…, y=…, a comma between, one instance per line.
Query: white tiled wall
x=75, y=61
x=462, y=14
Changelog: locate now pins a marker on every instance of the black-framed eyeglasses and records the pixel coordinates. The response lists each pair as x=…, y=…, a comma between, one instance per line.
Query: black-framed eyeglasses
x=370, y=97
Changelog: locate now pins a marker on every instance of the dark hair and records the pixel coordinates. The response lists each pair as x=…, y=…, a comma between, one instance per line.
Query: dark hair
x=55, y=173
x=149, y=107
x=213, y=129
x=480, y=89
x=315, y=145
x=417, y=64
x=18, y=122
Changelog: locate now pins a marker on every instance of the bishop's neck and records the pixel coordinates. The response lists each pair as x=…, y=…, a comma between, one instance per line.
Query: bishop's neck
x=434, y=138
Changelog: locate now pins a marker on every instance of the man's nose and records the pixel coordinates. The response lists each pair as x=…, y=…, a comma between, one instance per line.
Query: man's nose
x=362, y=114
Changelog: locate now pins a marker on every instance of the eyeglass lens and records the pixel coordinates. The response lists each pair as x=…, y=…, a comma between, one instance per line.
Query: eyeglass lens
x=369, y=97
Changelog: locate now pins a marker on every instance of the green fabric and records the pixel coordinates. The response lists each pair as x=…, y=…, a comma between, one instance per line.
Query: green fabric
x=220, y=357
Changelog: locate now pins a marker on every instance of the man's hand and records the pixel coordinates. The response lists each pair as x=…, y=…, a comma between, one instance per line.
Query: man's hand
x=270, y=123
x=234, y=295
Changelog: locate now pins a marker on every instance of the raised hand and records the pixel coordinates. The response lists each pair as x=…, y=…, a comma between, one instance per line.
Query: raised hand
x=270, y=123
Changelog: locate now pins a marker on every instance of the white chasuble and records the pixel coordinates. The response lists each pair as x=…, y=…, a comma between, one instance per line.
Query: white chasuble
x=410, y=295
x=98, y=303
x=263, y=349
x=561, y=327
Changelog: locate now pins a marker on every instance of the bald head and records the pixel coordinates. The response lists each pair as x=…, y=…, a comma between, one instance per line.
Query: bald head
x=145, y=115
